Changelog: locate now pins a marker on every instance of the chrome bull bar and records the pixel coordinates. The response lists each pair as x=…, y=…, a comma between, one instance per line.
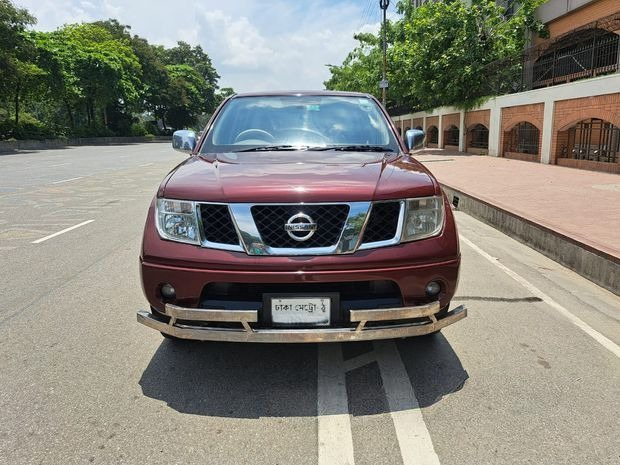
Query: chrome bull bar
x=245, y=332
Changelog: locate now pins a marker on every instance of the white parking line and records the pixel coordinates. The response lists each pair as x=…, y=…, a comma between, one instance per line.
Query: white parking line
x=60, y=164
x=586, y=328
x=67, y=180
x=147, y=164
x=334, y=425
x=414, y=440
x=43, y=239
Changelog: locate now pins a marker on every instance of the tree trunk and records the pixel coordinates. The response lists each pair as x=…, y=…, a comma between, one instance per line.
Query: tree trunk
x=88, y=113
x=70, y=113
x=17, y=91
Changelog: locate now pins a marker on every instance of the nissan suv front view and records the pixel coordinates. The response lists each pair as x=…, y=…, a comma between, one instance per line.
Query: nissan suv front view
x=299, y=217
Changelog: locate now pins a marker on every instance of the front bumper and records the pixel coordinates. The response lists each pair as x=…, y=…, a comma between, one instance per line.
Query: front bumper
x=246, y=333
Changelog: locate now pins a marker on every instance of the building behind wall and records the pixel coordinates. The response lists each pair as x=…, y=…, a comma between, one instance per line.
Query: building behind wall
x=567, y=108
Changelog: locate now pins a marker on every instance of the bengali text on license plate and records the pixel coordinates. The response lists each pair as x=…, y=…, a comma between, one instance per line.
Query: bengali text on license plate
x=301, y=310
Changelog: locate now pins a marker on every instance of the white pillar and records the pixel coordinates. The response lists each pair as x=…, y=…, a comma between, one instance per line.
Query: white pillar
x=462, y=132
x=547, y=132
x=495, y=127
x=440, y=128
x=424, y=123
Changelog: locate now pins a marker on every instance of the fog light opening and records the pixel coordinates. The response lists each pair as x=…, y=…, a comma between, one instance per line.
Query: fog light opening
x=167, y=291
x=433, y=289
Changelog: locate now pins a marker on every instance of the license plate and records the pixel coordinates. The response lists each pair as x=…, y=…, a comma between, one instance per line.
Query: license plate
x=301, y=310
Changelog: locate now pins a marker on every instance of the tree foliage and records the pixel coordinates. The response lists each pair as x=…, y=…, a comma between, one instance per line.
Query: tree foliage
x=439, y=53
x=97, y=79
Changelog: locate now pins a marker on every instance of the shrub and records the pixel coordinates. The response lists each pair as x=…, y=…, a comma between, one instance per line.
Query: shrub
x=28, y=128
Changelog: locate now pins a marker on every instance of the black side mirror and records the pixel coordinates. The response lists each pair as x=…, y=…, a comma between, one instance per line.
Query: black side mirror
x=414, y=138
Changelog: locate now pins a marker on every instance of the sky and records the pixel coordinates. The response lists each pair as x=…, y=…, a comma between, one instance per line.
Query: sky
x=254, y=44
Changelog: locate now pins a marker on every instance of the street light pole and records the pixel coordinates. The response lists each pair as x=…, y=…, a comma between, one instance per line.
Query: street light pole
x=383, y=4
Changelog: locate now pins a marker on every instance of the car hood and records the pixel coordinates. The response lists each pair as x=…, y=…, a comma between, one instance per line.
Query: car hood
x=298, y=177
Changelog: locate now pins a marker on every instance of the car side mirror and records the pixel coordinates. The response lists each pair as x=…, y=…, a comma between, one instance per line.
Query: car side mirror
x=184, y=141
x=414, y=138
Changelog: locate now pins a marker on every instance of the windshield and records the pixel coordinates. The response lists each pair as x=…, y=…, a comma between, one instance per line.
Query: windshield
x=272, y=123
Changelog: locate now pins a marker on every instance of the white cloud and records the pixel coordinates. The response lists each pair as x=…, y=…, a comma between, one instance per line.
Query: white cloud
x=238, y=42
x=254, y=45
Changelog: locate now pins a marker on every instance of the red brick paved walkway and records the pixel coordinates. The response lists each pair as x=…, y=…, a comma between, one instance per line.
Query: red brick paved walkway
x=583, y=205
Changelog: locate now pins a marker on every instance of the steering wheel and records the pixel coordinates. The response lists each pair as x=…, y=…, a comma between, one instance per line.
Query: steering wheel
x=254, y=134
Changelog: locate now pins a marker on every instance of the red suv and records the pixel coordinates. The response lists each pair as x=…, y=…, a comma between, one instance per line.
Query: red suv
x=299, y=217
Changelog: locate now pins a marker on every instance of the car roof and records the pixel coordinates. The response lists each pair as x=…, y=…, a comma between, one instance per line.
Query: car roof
x=300, y=93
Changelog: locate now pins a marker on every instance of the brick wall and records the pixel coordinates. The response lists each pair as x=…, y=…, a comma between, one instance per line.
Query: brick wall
x=417, y=122
x=472, y=118
x=453, y=119
x=431, y=121
x=569, y=112
x=511, y=116
x=477, y=117
x=590, y=165
x=588, y=14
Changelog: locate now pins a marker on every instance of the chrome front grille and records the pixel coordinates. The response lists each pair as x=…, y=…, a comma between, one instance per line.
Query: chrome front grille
x=329, y=220
x=273, y=229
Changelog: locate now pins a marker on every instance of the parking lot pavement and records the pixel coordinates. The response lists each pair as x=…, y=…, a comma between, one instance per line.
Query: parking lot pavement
x=531, y=376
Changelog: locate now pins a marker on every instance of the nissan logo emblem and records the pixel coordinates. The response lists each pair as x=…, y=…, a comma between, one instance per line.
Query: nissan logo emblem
x=300, y=227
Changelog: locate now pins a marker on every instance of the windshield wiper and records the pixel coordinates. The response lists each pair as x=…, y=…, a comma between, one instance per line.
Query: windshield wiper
x=268, y=148
x=355, y=148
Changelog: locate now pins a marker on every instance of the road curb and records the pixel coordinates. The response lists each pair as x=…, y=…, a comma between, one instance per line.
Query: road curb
x=13, y=146
x=589, y=262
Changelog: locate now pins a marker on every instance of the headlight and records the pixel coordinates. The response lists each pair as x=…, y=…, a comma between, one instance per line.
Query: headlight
x=176, y=221
x=423, y=218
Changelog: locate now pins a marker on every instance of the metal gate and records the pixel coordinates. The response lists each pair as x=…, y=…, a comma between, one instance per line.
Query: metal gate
x=595, y=140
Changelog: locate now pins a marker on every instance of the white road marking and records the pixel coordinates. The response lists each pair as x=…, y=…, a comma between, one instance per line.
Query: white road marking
x=147, y=164
x=67, y=180
x=586, y=328
x=60, y=164
x=43, y=239
x=334, y=424
x=414, y=440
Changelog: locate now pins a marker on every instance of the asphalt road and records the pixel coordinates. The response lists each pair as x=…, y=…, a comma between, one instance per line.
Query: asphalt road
x=532, y=376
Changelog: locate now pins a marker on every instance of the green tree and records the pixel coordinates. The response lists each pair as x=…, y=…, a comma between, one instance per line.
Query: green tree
x=185, y=99
x=440, y=53
x=196, y=58
x=447, y=47
x=96, y=70
x=18, y=73
x=361, y=69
